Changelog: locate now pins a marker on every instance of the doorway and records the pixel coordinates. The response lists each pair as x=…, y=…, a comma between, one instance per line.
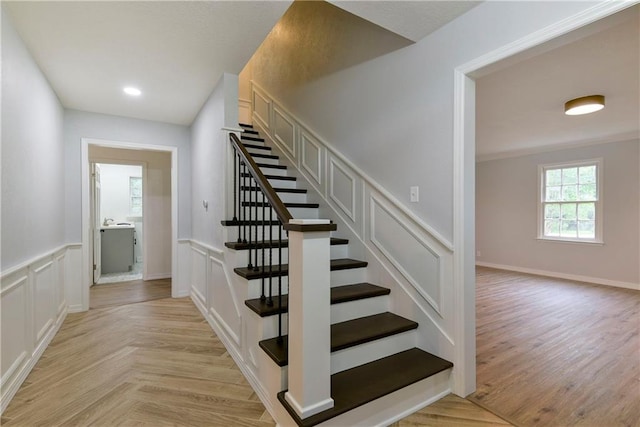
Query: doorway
x=156, y=210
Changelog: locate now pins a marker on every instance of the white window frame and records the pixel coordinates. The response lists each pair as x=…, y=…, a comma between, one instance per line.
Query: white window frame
x=131, y=197
x=599, y=220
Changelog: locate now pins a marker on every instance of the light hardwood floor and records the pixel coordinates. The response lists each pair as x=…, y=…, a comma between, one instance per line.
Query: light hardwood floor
x=158, y=363
x=552, y=352
x=128, y=292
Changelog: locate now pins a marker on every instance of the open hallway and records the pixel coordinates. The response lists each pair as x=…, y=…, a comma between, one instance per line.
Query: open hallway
x=159, y=363
x=553, y=352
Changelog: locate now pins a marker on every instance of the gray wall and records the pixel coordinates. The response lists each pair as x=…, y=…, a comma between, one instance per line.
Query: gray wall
x=81, y=124
x=32, y=156
x=506, y=215
x=392, y=116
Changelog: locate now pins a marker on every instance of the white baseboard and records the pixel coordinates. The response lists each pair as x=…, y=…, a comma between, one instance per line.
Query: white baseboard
x=158, y=276
x=575, y=277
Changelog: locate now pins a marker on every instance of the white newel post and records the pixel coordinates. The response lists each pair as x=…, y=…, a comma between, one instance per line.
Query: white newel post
x=309, y=317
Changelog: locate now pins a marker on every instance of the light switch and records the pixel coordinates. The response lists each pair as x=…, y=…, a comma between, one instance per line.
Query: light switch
x=414, y=194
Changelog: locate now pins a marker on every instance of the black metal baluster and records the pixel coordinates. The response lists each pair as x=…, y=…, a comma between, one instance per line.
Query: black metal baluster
x=257, y=245
x=270, y=300
x=244, y=205
x=262, y=296
x=240, y=200
x=280, y=282
x=236, y=185
x=251, y=209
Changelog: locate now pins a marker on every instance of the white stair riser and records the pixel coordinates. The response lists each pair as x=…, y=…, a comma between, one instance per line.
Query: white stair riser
x=232, y=233
x=266, y=159
x=256, y=213
x=364, y=353
x=254, y=287
x=241, y=258
x=285, y=197
x=344, y=277
x=270, y=325
x=272, y=171
x=360, y=308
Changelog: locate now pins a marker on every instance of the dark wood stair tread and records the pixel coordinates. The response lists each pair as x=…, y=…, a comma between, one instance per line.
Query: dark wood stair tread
x=336, y=264
x=268, y=166
x=246, y=125
x=230, y=222
x=363, y=384
x=251, y=137
x=275, y=243
x=339, y=294
x=274, y=177
x=277, y=189
x=287, y=204
x=347, y=334
x=265, y=156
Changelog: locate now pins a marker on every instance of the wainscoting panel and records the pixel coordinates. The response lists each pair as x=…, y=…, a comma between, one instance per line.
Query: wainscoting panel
x=199, y=274
x=61, y=302
x=262, y=110
x=44, y=299
x=342, y=188
x=223, y=304
x=409, y=254
x=16, y=346
x=244, y=111
x=284, y=131
x=33, y=300
x=311, y=158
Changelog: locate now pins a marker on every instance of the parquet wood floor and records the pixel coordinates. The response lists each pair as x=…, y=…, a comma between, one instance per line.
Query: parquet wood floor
x=557, y=353
x=158, y=363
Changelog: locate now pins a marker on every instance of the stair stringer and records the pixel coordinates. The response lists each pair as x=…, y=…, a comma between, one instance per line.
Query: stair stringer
x=435, y=315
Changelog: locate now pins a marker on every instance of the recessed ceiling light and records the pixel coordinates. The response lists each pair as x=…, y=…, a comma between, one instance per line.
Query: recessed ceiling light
x=584, y=105
x=133, y=91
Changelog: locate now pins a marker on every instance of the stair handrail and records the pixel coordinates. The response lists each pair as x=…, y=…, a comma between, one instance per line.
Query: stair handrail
x=278, y=206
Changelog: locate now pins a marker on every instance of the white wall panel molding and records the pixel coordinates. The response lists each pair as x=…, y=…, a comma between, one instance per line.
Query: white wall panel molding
x=220, y=293
x=342, y=188
x=332, y=152
x=284, y=131
x=33, y=299
x=409, y=253
x=261, y=109
x=244, y=111
x=311, y=158
x=198, y=274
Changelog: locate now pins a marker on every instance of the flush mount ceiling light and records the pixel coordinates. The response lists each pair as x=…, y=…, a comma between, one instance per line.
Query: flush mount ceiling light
x=133, y=91
x=584, y=105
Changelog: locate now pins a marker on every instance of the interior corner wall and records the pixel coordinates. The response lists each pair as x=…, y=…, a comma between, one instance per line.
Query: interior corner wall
x=392, y=116
x=207, y=165
x=33, y=170
x=506, y=215
x=81, y=124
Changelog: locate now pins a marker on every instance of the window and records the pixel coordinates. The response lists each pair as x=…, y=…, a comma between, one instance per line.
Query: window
x=135, y=196
x=570, y=202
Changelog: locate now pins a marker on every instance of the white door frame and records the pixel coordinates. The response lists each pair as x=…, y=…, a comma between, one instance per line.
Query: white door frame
x=87, y=265
x=464, y=144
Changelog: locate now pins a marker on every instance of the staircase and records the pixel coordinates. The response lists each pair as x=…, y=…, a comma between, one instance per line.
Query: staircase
x=373, y=353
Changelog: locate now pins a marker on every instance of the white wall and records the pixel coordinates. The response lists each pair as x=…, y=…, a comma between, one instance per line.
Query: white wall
x=114, y=191
x=36, y=266
x=32, y=156
x=506, y=215
x=208, y=150
x=392, y=116
x=157, y=208
x=80, y=124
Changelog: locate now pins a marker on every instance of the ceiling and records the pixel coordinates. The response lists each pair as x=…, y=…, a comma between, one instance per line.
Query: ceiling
x=520, y=102
x=174, y=51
